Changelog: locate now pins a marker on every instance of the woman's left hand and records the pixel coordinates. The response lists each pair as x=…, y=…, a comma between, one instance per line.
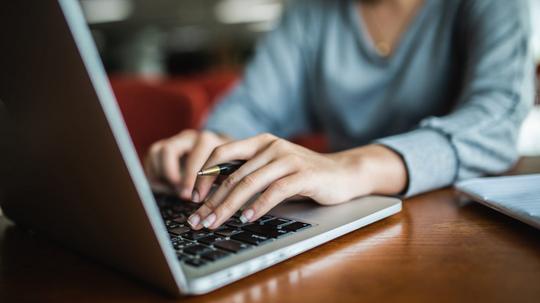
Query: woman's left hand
x=278, y=169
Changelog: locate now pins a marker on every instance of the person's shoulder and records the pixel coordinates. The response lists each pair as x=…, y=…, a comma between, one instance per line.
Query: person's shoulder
x=495, y=16
x=495, y=8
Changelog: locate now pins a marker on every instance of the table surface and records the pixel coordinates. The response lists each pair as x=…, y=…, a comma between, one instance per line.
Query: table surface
x=439, y=248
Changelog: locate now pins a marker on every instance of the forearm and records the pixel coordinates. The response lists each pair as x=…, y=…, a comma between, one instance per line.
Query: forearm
x=270, y=98
x=379, y=169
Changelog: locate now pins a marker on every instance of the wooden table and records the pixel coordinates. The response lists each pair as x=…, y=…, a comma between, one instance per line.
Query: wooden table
x=438, y=249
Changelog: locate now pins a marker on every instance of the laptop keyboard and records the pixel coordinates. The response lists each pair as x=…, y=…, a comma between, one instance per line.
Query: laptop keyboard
x=200, y=247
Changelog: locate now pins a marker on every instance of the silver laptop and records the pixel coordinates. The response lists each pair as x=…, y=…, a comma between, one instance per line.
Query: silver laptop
x=72, y=174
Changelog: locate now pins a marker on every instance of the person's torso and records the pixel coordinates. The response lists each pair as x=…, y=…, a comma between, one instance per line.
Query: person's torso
x=357, y=96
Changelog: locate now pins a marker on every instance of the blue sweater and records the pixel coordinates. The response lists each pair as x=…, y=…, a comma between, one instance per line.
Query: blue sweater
x=450, y=99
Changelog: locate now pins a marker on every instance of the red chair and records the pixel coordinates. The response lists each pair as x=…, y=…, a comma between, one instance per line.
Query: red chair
x=152, y=113
x=158, y=108
x=215, y=84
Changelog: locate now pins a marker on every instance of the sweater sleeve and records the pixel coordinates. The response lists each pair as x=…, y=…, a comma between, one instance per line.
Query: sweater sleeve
x=270, y=98
x=479, y=136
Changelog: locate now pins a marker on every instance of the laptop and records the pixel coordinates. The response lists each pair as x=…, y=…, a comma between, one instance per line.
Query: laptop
x=514, y=196
x=72, y=174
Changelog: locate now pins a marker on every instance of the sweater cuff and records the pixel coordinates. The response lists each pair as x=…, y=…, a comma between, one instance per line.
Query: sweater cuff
x=430, y=159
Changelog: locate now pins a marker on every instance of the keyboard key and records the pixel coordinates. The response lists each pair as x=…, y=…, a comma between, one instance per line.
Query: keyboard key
x=296, y=226
x=182, y=244
x=231, y=245
x=174, y=237
x=167, y=214
x=196, y=249
x=265, y=218
x=182, y=219
x=181, y=256
x=173, y=225
x=184, y=207
x=277, y=222
x=227, y=231
x=210, y=239
x=195, y=262
x=235, y=222
x=250, y=238
x=214, y=255
x=197, y=234
x=175, y=215
x=266, y=230
x=179, y=230
x=170, y=224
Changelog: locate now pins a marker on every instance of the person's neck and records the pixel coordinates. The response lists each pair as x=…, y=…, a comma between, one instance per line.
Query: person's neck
x=387, y=20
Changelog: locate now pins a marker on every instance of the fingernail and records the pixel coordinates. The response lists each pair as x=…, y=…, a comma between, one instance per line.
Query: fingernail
x=194, y=220
x=195, y=197
x=246, y=215
x=186, y=193
x=209, y=220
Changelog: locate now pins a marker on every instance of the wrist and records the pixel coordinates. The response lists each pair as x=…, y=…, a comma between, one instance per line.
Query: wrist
x=374, y=169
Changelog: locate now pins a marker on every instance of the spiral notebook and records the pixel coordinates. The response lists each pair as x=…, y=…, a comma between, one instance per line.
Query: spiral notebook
x=515, y=196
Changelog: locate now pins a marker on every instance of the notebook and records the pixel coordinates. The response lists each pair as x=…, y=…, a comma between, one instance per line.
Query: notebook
x=515, y=196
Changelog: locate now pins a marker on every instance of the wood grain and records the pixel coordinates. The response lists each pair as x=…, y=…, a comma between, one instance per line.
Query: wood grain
x=440, y=248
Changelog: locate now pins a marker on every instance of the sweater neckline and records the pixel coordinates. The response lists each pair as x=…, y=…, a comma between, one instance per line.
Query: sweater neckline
x=366, y=43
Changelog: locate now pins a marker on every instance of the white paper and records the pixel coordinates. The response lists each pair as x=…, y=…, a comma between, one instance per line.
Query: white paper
x=517, y=196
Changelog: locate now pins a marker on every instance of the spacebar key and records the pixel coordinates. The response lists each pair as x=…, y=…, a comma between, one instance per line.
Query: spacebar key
x=231, y=245
x=250, y=238
x=267, y=231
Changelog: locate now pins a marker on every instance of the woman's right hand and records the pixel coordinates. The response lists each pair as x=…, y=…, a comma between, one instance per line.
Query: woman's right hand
x=174, y=162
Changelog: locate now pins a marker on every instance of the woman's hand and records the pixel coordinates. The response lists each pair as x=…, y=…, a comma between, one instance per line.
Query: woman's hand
x=280, y=169
x=174, y=162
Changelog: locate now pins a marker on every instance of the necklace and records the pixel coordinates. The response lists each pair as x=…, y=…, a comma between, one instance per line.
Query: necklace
x=382, y=43
x=382, y=46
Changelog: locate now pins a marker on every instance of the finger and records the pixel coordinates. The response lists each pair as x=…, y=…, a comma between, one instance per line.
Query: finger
x=171, y=154
x=238, y=150
x=203, y=186
x=151, y=163
x=195, y=220
x=245, y=189
x=151, y=169
x=204, y=183
x=208, y=207
x=258, y=161
x=194, y=162
x=276, y=193
x=222, y=191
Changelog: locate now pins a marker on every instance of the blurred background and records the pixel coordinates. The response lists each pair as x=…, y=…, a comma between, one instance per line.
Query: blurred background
x=161, y=51
x=178, y=37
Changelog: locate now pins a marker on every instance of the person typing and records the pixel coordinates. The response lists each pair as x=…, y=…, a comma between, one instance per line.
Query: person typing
x=412, y=95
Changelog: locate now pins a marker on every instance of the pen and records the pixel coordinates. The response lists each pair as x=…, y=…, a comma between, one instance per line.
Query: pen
x=223, y=169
